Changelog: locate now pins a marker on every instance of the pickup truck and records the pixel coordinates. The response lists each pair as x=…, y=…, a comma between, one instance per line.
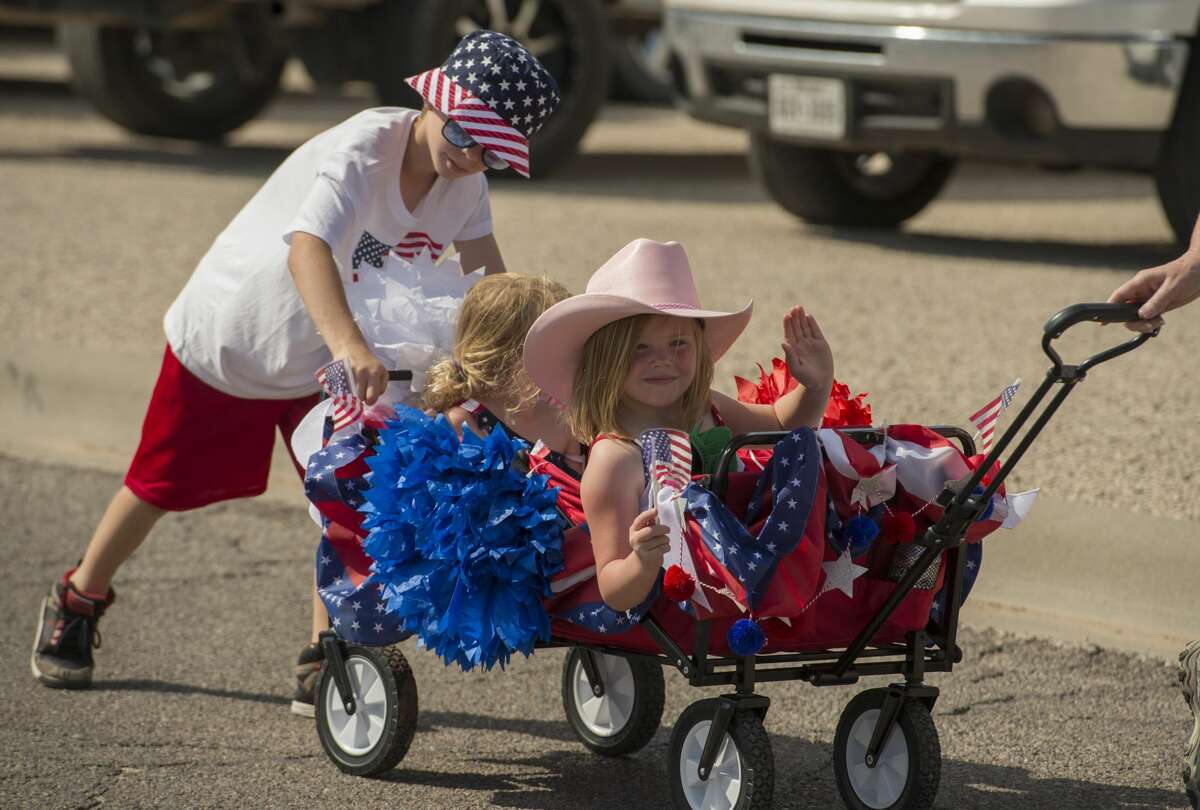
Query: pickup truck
x=858, y=109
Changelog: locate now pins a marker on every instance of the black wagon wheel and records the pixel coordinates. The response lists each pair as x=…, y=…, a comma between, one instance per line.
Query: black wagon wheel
x=909, y=766
x=743, y=773
x=377, y=735
x=623, y=714
x=569, y=37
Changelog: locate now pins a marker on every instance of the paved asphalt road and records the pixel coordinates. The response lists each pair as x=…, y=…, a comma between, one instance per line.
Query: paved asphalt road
x=190, y=706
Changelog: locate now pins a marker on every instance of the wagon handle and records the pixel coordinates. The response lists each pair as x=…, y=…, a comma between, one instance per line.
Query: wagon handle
x=1067, y=317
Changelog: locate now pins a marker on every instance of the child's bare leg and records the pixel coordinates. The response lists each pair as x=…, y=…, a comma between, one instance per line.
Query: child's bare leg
x=125, y=524
x=320, y=617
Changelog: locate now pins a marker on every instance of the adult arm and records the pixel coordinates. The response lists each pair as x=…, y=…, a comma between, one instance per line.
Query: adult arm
x=1163, y=288
x=628, y=546
x=315, y=274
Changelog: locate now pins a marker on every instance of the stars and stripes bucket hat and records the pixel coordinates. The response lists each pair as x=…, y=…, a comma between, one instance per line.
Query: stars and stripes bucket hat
x=496, y=90
x=643, y=278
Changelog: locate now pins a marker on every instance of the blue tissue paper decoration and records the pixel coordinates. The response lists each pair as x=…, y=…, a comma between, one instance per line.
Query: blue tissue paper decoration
x=860, y=532
x=463, y=544
x=991, y=504
x=746, y=637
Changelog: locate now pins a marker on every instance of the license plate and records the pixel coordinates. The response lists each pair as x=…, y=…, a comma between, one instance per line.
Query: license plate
x=806, y=106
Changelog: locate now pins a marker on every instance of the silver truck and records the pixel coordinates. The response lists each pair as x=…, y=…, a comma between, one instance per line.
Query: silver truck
x=858, y=109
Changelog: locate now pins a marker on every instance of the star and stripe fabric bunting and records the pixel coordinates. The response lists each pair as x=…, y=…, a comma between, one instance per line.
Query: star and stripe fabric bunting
x=985, y=418
x=495, y=90
x=337, y=381
x=749, y=565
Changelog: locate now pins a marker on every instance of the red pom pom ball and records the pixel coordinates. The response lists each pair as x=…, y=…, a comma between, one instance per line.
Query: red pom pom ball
x=899, y=527
x=678, y=584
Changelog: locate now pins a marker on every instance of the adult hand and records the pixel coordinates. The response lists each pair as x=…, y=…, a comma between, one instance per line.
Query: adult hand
x=1160, y=289
x=370, y=375
x=809, y=357
x=648, y=538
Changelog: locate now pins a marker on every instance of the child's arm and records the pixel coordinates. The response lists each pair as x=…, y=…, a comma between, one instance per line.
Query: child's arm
x=481, y=252
x=810, y=362
x=460, y=419
x=316, y=276
x=628, y=546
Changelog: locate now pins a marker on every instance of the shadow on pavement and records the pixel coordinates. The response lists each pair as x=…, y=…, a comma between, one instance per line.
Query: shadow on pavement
x=565, y=780
x=550, y=730
x=168, y=688
x=35, y=88
x=1120, y=256
x=204, y=158
x=659, y=177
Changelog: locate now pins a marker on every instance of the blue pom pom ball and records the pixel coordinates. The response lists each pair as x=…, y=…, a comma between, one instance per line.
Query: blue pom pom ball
x=861, y=532
x=746, y=637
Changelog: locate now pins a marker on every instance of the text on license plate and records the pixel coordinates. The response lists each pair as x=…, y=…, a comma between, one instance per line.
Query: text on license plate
x=807, y=106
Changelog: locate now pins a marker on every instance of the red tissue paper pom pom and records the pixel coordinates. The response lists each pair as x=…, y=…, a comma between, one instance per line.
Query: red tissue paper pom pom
x=678, y=584
x=899, y=527
x=843, y=410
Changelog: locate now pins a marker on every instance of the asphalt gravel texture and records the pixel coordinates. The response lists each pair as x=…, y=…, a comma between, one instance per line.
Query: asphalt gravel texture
x=190, y=703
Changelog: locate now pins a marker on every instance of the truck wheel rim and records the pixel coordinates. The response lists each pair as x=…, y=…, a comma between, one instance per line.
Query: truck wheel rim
x=358, y=733
x=609, y=713
x=883, y=785
x=723, y=787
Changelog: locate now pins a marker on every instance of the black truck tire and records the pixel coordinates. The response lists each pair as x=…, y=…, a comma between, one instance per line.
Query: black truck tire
x=409, y=36
x=1178, y=173
x=829, y=187
x=123, y=74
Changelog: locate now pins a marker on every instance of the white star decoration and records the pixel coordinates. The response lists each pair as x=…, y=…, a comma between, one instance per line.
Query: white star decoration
x=841, y=573
x=877, y=489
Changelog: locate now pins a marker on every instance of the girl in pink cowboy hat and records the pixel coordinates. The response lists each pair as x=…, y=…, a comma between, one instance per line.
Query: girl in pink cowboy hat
x=636, y=352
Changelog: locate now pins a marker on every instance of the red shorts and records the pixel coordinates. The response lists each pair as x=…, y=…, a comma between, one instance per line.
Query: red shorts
x=200, y=445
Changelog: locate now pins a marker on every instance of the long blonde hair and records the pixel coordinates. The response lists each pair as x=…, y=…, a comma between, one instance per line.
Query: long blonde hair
x=604, y=366
x=488, y=341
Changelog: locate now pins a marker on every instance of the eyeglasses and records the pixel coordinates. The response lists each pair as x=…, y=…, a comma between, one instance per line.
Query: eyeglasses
x=457, y=136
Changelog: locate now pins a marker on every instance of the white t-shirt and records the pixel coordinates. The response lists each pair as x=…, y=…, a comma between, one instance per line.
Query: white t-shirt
x=239, y=324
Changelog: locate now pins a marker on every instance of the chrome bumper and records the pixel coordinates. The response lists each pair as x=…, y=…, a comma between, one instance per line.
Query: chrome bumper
x=1107, y=84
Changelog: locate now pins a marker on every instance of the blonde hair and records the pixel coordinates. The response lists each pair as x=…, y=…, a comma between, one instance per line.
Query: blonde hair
x=488, y=342
x=604, y=366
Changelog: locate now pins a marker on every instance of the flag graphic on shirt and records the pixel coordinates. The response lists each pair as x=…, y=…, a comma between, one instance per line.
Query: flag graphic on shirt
x=369, y=250
x=414, y=242
x=337, y=382
x=985, y=418
x=667, y=454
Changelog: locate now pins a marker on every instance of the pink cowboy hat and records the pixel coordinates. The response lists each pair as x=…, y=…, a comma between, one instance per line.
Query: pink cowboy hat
x=644, y=278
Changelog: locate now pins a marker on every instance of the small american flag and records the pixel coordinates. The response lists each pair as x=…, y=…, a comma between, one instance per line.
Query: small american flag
x=986, y=417
x=337, y=381
x=667, y=455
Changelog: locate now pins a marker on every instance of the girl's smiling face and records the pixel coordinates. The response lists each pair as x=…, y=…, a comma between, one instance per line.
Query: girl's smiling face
x=664, y=362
